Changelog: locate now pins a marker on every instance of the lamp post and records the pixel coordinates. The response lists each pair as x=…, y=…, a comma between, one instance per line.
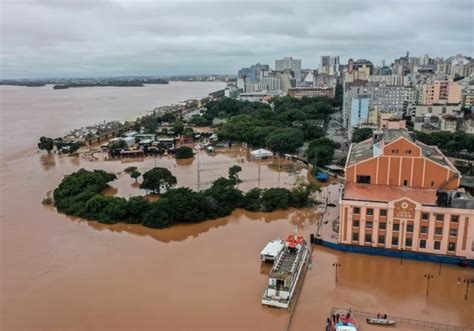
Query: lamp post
x=336, y=265
x=428, y=278
x=468, y=282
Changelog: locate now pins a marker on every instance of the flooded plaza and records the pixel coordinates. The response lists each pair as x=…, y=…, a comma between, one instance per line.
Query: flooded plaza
x=59, y=272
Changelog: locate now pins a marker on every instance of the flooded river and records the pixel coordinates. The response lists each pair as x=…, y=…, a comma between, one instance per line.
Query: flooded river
x=61, y=273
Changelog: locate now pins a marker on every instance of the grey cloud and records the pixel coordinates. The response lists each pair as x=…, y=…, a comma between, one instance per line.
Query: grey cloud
x=123, y=37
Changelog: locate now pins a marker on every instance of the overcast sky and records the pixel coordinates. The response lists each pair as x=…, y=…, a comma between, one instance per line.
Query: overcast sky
x=64, y=38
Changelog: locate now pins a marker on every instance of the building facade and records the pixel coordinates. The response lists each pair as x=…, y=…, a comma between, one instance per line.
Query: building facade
x=403, y=195
x=299, y=92
x=288, y=63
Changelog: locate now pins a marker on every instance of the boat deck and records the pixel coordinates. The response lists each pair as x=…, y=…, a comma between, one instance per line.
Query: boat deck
x=286, y=262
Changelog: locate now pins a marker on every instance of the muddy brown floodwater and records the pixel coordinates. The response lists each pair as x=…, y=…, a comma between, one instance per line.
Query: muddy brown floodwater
x=61, y=273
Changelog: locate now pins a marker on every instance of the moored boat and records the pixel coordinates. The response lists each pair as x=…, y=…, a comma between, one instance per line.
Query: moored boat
x=271, y=250
x=344, y=320
x=381, y=321
x=286, y=271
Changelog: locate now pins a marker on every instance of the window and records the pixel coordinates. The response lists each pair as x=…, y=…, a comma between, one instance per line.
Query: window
x=409, y=227
x=396, y=227
x=355, y=237
x=368, y=238
x=453, y=232
x=369, y=224
x=405, y=182
x=454, y=218
x=370, y=211
x=356, y=210
x=383, y=212
x=439, y=217
x=394, y=241
x=451, y=247
x=432, y=183
x=422, y=243
x=437, y=245
x=363, y=179
x=424, y=229
x=408, y=151
x=355, y=224
x=408, y=242
x=381, y=239
x=438, y=231
x=382, y=225
x=425, y=216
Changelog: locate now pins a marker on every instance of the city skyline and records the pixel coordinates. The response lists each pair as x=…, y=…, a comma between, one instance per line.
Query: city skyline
x=116, y=38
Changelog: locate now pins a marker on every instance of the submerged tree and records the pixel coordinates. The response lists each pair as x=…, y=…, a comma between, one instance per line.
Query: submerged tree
x=135, y=174
x=46, y=143
x=157, y=179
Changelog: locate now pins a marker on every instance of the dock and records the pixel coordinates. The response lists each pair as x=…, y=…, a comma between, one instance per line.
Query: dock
x=409, y=322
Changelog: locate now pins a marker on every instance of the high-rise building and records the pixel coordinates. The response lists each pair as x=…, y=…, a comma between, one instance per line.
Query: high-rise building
x=329, y=65
x=252, y=73
x=288, y=63
x=441, y=92
x=402, y=195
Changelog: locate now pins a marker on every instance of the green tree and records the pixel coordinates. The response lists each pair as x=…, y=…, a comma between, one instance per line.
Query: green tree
x=157, y=179
x=285, y=140
x=199, y=120
x=136, y=207
x=321, y=151
x=46, y=143
x=252, y=199
x=135, y=174
x=129, y=170
x=276, y=198
x=184, y=152
x=301, y=193
x=188, y=132
x=234, y=173
x=73, y=148
x=361, y=134
x=178, y=127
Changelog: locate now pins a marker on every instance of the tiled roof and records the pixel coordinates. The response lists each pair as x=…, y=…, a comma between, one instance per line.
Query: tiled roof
x=383, y=193
x=365, y=149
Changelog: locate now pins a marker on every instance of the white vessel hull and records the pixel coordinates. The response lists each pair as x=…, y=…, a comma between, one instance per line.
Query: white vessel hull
x=282, y=299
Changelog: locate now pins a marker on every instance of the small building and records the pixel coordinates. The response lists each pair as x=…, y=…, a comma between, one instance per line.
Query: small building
x=260, y=154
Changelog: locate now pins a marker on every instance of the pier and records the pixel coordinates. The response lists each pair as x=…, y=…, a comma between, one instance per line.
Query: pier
x=409, y=322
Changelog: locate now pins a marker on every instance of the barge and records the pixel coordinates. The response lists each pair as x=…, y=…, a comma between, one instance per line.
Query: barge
x=286, y=272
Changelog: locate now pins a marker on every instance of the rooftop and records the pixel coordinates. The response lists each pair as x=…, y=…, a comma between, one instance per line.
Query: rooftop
x=367, y=149
x=383, y=193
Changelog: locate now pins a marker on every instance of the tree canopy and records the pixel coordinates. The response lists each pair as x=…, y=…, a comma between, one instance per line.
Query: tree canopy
x=285, y=140
x=361, y=134
x=184, y=152
x=158, y=179
x=79, y=194
x=46, y=143
x=321, y=151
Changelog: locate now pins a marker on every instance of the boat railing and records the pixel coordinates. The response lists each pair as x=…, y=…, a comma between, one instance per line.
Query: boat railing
x=423, y=325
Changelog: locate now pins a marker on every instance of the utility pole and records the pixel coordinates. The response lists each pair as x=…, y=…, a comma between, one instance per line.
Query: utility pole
x=198, y=171
x=468, y=283
x=336, y=265
x=428, y=278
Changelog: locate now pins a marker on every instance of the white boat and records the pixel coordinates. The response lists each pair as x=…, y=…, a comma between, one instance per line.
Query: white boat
x=381, y=321
x=286, y=271
x=271, y=250
x=343, y=320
